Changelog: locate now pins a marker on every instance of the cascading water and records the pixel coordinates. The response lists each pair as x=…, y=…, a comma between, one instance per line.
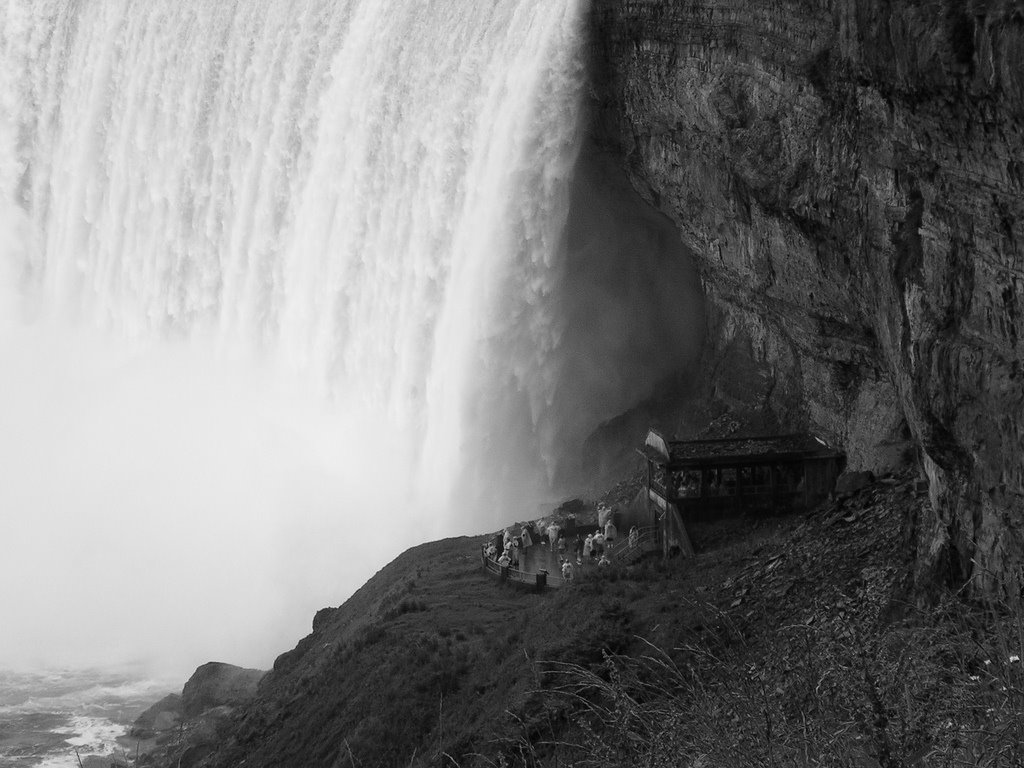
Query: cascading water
x=371, y=195
x=343, y=185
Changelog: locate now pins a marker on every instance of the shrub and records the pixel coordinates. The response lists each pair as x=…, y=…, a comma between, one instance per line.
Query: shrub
x=943, y=688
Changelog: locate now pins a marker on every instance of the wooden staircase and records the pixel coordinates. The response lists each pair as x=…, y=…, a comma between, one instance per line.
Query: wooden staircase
x=646, y=542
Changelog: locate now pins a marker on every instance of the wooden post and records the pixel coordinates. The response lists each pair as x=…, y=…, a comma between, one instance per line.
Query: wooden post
x=685, y=544
x=647, y=496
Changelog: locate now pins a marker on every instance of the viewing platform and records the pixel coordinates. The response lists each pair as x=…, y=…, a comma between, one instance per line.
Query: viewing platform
x=544, y=570
x=687, y=481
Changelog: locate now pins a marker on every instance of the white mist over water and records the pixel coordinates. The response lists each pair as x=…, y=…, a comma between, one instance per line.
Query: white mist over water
x=255, y=266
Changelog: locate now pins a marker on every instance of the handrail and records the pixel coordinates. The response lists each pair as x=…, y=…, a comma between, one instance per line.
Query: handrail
x=490, y=565
x=646, y=541
x=514, y=574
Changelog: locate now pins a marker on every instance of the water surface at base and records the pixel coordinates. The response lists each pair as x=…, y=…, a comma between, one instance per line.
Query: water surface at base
x=45, y=717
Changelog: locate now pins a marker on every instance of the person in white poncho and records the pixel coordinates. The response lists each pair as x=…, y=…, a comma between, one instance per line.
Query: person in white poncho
x=553, y=531
x=567, y=570
x=610, y=532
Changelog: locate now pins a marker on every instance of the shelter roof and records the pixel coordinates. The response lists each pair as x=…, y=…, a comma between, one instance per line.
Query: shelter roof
x=682, y=453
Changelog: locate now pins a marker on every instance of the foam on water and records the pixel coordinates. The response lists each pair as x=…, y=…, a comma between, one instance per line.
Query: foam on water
x=93, y=733
x=44, y=717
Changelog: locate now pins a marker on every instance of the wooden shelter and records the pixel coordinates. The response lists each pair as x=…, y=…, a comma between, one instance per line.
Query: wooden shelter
x=709, y=479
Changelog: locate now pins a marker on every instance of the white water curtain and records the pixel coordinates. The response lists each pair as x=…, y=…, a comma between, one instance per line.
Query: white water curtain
x=351, y=187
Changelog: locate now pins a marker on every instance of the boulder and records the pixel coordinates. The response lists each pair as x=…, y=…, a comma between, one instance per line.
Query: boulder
x=323, y=617
x=216, y=684
x=851, y=482
x=163, y=716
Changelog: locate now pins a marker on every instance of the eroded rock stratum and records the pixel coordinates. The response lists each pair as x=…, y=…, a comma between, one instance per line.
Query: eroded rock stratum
x=849, y=175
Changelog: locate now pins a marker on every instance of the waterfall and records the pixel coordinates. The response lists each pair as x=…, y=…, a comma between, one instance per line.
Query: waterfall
x=349, y=188
x=287, y=286
x=200, y=200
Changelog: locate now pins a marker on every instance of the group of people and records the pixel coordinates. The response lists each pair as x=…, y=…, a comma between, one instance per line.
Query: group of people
x=511, y=546
x=594, y=549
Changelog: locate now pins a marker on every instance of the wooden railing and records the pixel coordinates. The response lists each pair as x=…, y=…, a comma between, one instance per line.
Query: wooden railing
x=508, y=573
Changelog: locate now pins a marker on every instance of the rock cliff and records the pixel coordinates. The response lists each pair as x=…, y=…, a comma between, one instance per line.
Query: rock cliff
x=849, y=177
x=185, y=729
x=216, y=684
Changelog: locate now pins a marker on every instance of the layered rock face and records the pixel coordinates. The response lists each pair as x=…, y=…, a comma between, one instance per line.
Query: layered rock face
x=849, y=175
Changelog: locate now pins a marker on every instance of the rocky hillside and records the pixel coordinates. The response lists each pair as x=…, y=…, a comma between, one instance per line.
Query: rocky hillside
x=429, y=656
x=849, y=177
x=785, y=641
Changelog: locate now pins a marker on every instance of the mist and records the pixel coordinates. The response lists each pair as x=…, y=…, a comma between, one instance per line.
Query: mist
x=166, y=506
x=168, y=501
x=620, y=321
